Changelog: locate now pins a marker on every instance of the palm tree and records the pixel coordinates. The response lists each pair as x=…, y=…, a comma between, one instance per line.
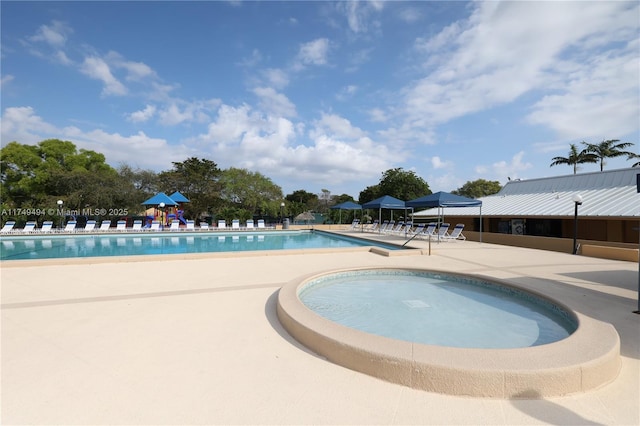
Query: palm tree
x=575, y=158
x=634, y=156
x=608, y=149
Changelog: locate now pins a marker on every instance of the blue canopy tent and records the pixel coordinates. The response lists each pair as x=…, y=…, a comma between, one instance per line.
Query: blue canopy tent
x=385, y=202
x=347, y=205
x=445, y=199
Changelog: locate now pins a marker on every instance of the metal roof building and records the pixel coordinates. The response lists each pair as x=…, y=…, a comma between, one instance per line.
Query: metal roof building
x=610, y=207
x=610, y=193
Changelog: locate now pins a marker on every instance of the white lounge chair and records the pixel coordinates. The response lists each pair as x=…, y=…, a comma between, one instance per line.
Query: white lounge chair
x=105, y=225
x=89, y=226
x=429, y=230
x=121, y=225
x=8, y=227
x=155, y=225
x=443, y=231
x=191, y=225
x=71, y=226
x=250, y=224
x=175, y=226
x=261, y=224
x=373, y=226
x=456, y=234
x=29, y=227
x=389, y=225
x=46, y=226
x=204, y=226
x=235, y=224
x=396, y=229
x=222, y=224
x=137, y=226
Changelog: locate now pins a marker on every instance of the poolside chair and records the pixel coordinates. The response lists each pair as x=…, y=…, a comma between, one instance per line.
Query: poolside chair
x=354, y=225
x=204, y=226
x=250, y=224
x=29, y=227
x=396, y=229
x=443, y=231
x=373, y=226
x=105, y=225
x=390, y=225
x=46, y=226
x=121, y=225
x=71, y=226
x=235, y=224
x=8, y=227
x=89, y=226
x=429, y=230
x=137, y=226
x=191, y=225
x=415, y=232
x=456, y=234
x=261, y=224
x=175, y=226
x=222, y=224
x=155, y=225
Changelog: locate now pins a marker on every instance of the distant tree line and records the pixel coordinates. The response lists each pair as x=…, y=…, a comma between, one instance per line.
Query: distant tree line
x=34, y=177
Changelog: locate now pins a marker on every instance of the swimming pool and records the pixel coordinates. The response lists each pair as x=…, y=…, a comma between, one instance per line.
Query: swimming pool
x=585, y=360
x=51, y=246
x=437, y=309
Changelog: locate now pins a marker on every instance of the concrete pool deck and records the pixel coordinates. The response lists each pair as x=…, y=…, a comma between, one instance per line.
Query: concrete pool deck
x=179, y=340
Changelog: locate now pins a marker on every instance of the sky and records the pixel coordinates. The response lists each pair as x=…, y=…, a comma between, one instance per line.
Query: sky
x=326, y=95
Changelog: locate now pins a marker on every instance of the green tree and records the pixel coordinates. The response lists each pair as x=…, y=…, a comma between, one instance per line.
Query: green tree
x=574, y=158
x=634, y=157
x=608, y=149
x=370, y=193
x=478, y=188
x=398, y=183
x=198, y=180
x=37, y=176
x=250, y=191
x=300, y=201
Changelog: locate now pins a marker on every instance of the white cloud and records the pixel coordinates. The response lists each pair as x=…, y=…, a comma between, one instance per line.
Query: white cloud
x=312, y=53
x=377, y=115
x=358, y=15
x=437, y=163
x=136, y=71
x=275, y=103
x=6, y=79
x=97, y=69
x=143, y=115
x=335, y=126
x=21, y=124
x=477, y=64
x=276, y=77
x=346, y=92
x=501, y=170
x=55, y=34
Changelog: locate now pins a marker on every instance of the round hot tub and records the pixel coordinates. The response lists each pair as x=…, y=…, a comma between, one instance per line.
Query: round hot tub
x=449, y=333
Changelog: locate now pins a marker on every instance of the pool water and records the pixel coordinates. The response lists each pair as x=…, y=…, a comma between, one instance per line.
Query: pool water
x=437, y=309
x=132, y=244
